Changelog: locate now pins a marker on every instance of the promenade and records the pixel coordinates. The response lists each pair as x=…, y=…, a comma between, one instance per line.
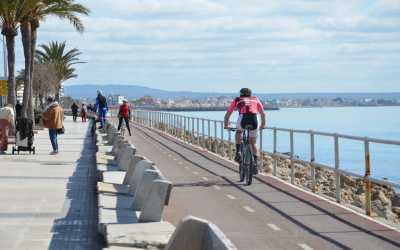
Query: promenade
x=48, y=201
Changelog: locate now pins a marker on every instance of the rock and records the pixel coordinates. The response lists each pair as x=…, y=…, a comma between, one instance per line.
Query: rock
x=380, y=195
x=360, y=190
x=359, y=200
x=396, y=210
x=348, y=180
x=396, y=200
x=299, y=174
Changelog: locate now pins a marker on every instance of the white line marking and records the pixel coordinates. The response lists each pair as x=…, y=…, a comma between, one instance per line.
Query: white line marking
x=186, y=167
x=305, y=246
x=249, y=209
x=204, y=178
x=231, y=197
x=196, y=173
x=175, y=159
x=274, y=227
x=217, y=187
x=180, y=163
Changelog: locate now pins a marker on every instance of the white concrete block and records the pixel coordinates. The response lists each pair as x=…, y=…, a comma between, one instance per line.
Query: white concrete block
x=141, y=166
x=154, y=203
x=115, y=177
x=198, y=234
x=141, y=235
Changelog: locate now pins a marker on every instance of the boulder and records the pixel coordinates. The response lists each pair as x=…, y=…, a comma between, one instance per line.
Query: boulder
x=347, y=180
x=396, y=210
x=395, y=200
x=380, y=195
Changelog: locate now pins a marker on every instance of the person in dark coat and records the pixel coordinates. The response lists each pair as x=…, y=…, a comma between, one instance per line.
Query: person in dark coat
x=101, y=108
x=74, y=109
x=18, y=110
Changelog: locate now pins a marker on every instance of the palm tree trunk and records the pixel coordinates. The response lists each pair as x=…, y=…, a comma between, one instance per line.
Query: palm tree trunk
x=10, y=41
x=31, y=110
x=26, y=43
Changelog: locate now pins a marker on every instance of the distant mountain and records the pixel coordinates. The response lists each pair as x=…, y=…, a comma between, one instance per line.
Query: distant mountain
x=134, y=92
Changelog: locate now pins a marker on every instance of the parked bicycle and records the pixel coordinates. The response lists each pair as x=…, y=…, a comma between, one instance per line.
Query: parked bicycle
x=247, y=165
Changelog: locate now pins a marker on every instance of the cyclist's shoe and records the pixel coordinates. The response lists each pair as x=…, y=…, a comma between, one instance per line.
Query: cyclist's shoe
x=238, y=157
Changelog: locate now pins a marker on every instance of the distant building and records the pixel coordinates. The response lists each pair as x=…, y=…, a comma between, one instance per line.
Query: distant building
x=114, y=100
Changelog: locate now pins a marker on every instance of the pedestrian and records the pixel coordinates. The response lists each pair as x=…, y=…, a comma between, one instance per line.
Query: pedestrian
x=74, y=109
x=84, y=112
x=53, y=118
x=124, y=114
x=7, y=119
x=101, y=108
x=18, y=110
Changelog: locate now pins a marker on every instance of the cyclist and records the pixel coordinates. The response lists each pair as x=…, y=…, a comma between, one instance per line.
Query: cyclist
x=248, y=107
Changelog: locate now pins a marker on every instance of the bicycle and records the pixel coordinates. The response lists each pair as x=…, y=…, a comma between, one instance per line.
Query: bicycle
x=246, y=163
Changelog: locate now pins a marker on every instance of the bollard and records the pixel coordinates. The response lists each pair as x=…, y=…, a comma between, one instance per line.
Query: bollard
x=368, y=184
x=337, y=170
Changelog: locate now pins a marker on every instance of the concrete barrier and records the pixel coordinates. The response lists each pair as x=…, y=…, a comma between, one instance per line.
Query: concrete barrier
x=152, y=208
x=143, y=235
x=155, y=200
x=126, y=200
x=118, y=177
x=129, y=173
x=198, y=234
x=121, y=160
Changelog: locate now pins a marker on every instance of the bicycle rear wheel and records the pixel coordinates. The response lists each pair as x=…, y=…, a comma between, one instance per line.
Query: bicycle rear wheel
x=241, y=171
x=247, y=164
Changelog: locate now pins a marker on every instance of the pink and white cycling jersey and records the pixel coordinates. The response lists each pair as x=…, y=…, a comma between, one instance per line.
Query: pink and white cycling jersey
x=246, y=105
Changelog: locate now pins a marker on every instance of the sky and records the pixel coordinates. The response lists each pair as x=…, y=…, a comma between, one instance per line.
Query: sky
x=270, y=46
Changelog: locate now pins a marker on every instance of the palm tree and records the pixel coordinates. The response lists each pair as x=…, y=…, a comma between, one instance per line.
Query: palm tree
x=64, y=9
x=11, y=14
x=56, y=54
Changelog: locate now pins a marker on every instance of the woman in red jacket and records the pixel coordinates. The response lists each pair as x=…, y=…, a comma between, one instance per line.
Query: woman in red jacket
x=124, y=114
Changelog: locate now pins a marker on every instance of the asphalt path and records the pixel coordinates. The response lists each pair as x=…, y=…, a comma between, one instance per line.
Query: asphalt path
x=269, y=214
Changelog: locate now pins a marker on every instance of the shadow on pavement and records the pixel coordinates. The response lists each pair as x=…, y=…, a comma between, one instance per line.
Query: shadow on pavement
x=77, y=229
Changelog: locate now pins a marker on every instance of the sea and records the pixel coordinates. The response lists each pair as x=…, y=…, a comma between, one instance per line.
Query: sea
x=374, y=122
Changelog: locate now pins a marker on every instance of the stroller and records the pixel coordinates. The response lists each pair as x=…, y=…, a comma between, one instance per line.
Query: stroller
x=24, y=136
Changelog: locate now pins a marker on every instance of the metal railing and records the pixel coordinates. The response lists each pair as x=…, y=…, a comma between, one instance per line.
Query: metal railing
x=208, y=133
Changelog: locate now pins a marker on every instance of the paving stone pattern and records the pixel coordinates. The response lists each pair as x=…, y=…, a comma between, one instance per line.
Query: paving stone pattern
x=49, y=201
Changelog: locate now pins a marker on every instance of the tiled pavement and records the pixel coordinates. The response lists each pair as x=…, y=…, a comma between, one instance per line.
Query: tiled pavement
x=49, y=202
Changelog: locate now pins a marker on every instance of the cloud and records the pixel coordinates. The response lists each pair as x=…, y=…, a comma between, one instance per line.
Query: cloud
x=271, y=38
